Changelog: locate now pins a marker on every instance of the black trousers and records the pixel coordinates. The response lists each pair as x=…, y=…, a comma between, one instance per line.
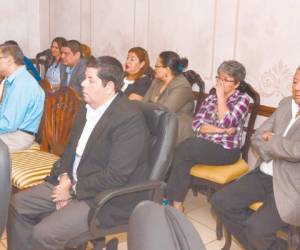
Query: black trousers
x=190, y=152
x=254, y=230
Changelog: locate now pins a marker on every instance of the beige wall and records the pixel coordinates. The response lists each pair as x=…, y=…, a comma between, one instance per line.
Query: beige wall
x=261, y=34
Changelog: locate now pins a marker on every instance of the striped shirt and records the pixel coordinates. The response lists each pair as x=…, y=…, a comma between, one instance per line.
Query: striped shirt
x=238, y=105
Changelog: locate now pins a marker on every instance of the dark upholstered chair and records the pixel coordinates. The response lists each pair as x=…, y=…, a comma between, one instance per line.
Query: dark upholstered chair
x=153, y=226
x=209, y=179
x=162, y=125
x=5, y=184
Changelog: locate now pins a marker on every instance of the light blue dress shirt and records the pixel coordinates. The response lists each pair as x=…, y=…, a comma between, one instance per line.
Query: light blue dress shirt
x=69, y=71
x=23, y=103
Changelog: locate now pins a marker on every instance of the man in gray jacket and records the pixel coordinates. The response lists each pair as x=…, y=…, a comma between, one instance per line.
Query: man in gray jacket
x=73, y=72
x=275, y=181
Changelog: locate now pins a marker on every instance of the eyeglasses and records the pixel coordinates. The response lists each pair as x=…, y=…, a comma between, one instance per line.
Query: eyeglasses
x=224, y=80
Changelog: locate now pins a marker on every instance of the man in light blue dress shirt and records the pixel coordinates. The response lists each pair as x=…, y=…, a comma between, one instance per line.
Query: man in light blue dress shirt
x=22, y=100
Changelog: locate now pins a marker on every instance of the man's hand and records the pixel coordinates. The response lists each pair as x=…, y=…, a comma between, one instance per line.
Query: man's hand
x=61, y=195
x=267, y=135
x=62, y=204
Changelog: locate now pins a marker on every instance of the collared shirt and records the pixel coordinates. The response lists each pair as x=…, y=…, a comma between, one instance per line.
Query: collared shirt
x=53, y=73
x=92, y=118
x=267, y=167
x=238, y=104
x=22, y=104
x=69, y=71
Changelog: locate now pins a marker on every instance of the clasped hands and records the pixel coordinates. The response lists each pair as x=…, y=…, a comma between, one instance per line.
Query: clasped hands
x=61, y=193
x=267, y=135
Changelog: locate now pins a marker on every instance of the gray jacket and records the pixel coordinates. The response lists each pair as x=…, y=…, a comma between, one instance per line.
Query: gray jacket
x=285, y=153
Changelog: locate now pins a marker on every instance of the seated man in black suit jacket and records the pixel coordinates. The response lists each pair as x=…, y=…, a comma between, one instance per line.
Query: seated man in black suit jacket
x=108, y=149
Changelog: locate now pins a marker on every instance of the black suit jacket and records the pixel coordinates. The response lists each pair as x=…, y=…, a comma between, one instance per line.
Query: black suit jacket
x=115, y=155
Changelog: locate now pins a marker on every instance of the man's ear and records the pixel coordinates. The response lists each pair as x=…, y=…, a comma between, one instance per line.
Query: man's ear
x=110, y=87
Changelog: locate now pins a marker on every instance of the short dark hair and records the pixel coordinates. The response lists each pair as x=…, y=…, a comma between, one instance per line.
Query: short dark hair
x=14, y=51
x=74, y=46
x=109, y=69
x=11, y=42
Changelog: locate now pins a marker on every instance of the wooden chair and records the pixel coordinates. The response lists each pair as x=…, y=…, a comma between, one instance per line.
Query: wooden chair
x=208, y=179
x=40, y=65
x=194, y=77
x=31, y=166
x=290, y=233
x=43, y=60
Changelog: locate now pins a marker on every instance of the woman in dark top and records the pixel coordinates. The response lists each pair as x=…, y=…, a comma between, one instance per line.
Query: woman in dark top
x=137, y=78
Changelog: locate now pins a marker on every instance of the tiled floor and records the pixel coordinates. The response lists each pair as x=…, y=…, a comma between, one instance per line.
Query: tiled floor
x=198, y=212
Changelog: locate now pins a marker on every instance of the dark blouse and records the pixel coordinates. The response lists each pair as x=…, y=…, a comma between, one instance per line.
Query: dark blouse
x=139, y=87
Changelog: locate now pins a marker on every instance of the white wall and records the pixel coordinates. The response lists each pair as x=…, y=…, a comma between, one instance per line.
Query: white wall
x=263, y=35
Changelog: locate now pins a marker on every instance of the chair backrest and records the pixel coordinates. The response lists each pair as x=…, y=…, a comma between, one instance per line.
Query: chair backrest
x=153, y=226
x=43, y=59
x=58, y=119
x=193, y=78
x=253, y=111
x=5, y=184
x=162, y=124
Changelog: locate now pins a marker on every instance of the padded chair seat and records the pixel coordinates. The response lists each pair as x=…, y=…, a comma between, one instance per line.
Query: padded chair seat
x=280, y=233
x=29, y=168
x=34, y=147
x=220, y=174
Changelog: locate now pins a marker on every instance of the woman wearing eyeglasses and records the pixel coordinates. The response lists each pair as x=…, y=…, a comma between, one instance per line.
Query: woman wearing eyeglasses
x=172, y=90
x=138, y=74
x=218, y=127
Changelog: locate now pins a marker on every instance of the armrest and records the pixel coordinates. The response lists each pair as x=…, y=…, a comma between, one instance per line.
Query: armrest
x=156, y=186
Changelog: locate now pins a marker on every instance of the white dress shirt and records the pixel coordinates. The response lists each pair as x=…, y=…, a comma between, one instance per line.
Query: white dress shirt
x=267, y=167
x=92, y=118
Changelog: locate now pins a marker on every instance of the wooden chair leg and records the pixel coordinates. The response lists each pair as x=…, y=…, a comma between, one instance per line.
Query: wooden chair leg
x=195, y=190
x=99, y=244
x=112, y=244
x=228, y=239
x=294, y=238
x=219, y=229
